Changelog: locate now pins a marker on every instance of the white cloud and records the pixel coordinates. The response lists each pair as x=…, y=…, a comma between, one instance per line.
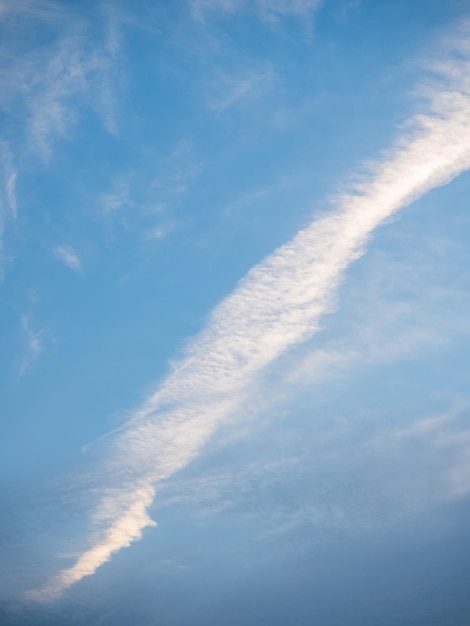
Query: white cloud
x=30, y=9
x=336, y=474
x=267, y=9
x=34, y=345
x=118, y=198
x=44, y=90
x=143, y=199
x=381, y=325
x=275, y=307
x=296, y=8
x=159, y=232
x=70, y=75
x=441, y=444
x=11, y=191
x=126, y=529
x=8, y=201
x=68, y=256
x=71, y=70
x=230, y=90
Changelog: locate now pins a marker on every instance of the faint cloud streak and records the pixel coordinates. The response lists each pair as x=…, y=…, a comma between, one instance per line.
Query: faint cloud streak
x=68, y=256
x=34, y=345
x=43, y=92
x=231, y=90
x=8, y=200
x=268, y=10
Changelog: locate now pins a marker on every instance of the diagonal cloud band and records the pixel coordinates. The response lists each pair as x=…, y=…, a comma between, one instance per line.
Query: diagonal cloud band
x=276, y=306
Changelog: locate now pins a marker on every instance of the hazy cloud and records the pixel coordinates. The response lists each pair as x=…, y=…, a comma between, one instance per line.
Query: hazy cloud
x=34, y=345
x=230, y=90
x=68, y=256
x=267, y=9
x=44, y=91
x=8, y=201
x=11, y=11
x=72, y=70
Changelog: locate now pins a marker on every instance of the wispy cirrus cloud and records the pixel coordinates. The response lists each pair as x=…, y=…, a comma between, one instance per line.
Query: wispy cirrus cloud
x=44, y=92
x=440, y=443
x=73, y=74
x=229, y=90
x=8, y=200
x=30, y=9
x=269, y=10
x=276, y=306
x=68, y=256
x=304, y=476
x=382, y=326
x=144, y=198
x=341, y=475
x=34, y=345
x=71, y=70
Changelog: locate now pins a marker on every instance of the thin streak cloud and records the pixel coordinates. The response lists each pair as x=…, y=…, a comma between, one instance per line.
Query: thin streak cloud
x=275, y=307
x=68, y=256
x=269, y=10
x=8, y=200
x=233, y=90
x=47, y=90
x=32, y=9
x=34, y=344
x=51, y=86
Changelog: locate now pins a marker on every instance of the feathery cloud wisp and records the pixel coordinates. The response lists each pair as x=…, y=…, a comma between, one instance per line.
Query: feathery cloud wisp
x=71, y=70
x=232, y=90
x=43, y=92
x=276, y=306
x=267, y=9
x=32, y=9
x=8, y=202
x=34, y=344
x=68, y=256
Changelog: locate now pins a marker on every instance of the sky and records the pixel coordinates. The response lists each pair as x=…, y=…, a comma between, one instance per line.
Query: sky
x=234, y=312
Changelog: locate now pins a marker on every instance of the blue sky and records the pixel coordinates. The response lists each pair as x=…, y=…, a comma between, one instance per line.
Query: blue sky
x=234, y=272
